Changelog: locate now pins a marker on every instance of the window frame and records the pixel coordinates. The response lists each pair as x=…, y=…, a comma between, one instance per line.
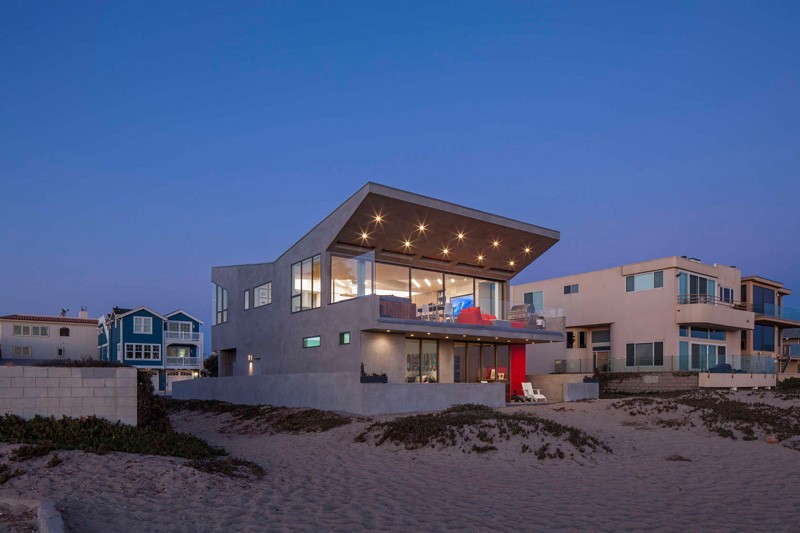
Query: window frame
x=257, y=301
x=657, y=281
x=300, y=294
x=344, y=338
x=142, y=348
x=307, y=341
x=655, y=354
x=247, y=299
x=572, y=289
x=145, y=321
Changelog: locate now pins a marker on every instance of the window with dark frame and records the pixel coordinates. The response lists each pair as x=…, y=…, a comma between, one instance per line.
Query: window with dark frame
x=312, y=342
x=344, y=337
x=570, y=339
x=306, y=284
x=63, y=332
x=582, y=339
x=571, y=289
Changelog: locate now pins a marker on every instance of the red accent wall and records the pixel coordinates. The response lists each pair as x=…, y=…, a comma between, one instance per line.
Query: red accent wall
x=517, y=368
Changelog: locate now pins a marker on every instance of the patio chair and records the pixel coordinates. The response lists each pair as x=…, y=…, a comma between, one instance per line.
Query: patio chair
x=531, y=394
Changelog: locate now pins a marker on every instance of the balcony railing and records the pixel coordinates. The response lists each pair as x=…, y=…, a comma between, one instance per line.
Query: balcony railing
x=182, y=362
x=183, y=336
x=713, y=300
x=778, y=311
x=512, y=316
x=753, y=364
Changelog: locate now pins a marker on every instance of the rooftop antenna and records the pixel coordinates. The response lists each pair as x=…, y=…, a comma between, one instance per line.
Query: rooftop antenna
x=64, y=311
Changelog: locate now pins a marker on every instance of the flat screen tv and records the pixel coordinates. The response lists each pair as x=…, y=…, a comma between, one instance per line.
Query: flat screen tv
x=461, y=302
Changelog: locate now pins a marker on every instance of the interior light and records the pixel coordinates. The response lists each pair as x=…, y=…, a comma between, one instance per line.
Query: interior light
x=415, y=282
x=439, y=281
x=452, y=280
x=412, y=334
x=388, y=331
x=429, y=333
x=428, y=283
x=446, y=337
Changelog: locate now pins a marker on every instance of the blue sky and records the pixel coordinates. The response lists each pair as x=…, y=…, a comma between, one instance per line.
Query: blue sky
x=141, y=144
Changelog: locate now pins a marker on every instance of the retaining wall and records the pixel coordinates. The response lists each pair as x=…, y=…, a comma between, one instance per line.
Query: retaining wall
x=652, y=382
x=108, y=393
x=746, y=381
x=552, y=385
x=339, y=391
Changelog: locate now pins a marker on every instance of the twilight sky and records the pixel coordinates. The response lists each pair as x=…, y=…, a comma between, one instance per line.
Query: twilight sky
x=142, y=144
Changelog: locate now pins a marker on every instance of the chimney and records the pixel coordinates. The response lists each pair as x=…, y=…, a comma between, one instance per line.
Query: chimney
x=83, y=313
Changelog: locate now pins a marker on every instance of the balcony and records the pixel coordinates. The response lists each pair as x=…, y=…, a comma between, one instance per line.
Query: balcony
x=779, y=313
x=182, y=362
x=516, y=321
x=183, y=336
x=711, y=312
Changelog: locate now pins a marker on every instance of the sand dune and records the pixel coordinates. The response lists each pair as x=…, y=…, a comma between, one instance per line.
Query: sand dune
x=326, y=481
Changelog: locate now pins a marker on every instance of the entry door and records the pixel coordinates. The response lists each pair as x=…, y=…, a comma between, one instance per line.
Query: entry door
x=601, y=361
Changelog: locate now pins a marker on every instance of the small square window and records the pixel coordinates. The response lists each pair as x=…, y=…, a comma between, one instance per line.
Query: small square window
x=311, y=342
x=344, y=337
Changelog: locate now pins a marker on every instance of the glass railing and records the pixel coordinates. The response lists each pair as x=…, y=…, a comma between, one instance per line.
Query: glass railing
x=777, y=311
x=510, y=316
x=712, y=300
x=755, y=364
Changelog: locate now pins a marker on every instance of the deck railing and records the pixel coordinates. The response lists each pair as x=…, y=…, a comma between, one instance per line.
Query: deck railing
x=713, y=300
x=754, y=364
x=191, y=336
x=182, y=362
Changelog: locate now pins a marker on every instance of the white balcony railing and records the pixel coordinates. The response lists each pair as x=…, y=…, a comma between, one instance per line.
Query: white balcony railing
x=190, y=336
x=182, y=362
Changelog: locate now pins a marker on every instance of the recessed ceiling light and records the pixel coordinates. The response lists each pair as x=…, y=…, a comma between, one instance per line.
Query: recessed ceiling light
x=378, y=218
x=422, y=228
x=527, y=250
x=495, y=243
x=460, y=236
x=480, y=258
x=511, y=263
x=407, y=244
x=364, y=235
x=445, y=251
x=429, y=333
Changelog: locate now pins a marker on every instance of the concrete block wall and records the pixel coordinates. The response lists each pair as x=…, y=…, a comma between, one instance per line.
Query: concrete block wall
x=109, y=393
x=552, y=385
x=653, y=382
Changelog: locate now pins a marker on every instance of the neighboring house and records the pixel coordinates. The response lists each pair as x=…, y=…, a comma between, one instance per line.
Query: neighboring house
x=410, y=286
x=791, y=350
x=674, y=313
x=30, y=338
x=765, y=297
x=169, y=346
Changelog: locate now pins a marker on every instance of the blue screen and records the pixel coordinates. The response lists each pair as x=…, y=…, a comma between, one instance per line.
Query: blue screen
x=460, y=303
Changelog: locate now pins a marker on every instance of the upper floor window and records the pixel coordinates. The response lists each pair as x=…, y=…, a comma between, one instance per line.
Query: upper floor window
x=570, y=289
x=726, y=294
x=220, y=305
x=351, y=277
x=63, y=332
x=534, y=299
x=143, y=324
x=644, y=282
x=306, y=284
x=696, y=289
x=763, y=300
x=262, y=295
x=31, y=331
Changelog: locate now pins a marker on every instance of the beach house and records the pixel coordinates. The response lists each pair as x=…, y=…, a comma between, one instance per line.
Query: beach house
x=169, y=346
x=670, y=314
x=392, y=287
x=25, y=339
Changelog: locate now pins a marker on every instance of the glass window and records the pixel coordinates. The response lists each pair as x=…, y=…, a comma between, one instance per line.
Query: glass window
x=644, y=282
x=763, y=300
x=312, y=342
x=474, y=362
x=306, y=284
x=460, y=293
x=763, y=338
x=429, y=361
x=570, y=339
x=247, y=299
x=143, y=325
x=582, y=339
x=502, y=356
x=63, y=332
x=392, y=280
x=535, y=300
x=602, y=335
x=459, y=363
x=344, y=337
x=644, y=354
x=683, y=331
x=220, y=305
x=570, y=289
x=262, y=295
x=699, y=333
x=351, y=277
x=490, y=297
x=427, y=292
x=488, y=363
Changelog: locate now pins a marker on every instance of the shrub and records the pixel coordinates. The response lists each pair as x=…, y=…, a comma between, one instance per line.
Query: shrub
x=151, y=412
x=210, y=365
x=79, y=363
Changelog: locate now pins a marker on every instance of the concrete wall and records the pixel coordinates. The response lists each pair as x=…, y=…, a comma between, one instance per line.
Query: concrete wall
x=108, y=393
x=719, y=381
x=81, y=343
x=581, y=391
x=552, y=385
x=339, y=391
x=653, y=382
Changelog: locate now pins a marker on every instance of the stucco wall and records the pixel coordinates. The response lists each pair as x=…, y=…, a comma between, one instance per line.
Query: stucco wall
x=552, y=385
x=653, y=382
x=719, y=381
x=108, y=393
x=81, y=343
x=339, y=391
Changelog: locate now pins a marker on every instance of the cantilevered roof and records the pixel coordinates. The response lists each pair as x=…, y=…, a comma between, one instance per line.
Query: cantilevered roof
x=406, y=228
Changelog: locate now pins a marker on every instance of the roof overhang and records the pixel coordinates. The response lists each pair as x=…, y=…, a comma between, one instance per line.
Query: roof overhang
x=142, y=308
x=405, y=228
x=180, y=311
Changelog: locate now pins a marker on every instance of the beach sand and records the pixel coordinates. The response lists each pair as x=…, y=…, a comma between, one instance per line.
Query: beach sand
x=326, y=481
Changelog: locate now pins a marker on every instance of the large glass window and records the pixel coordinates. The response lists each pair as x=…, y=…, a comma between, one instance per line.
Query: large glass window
x=306, y=284
x=392, y=280
x=31, y=331
x=143, y=324
x=220, y=305
x=460, y=293
x=422, y=361
x=763, y=338
x=763, y=300
x=490, y=297
x=696, y=289
x=644, y=354
x=534, y=299
x=262, y=295
x=427, y=293
x=705, y=356
x=351, y=277
x=474, y=362
x=459, y=363
x=644, y=282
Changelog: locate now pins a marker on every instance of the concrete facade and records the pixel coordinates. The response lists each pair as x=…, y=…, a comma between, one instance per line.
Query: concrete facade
x=108, y=393
x=339, y=391
x=21, y=337
x=604, y=305
x=275, y=339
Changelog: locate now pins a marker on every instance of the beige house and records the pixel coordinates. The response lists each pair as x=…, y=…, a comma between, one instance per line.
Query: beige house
x=26, y=338
x=675, y=313
x=790, y=350
x=765, y=297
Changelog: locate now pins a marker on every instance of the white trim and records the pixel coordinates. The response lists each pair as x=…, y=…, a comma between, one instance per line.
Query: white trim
x=143, y=358
x=146, y=323
x=185, y=313
x=140, y=309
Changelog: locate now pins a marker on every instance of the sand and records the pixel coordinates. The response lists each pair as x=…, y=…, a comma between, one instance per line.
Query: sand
x=326, y=481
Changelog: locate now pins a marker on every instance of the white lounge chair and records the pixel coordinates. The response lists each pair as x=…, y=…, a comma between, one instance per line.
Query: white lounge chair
x=531, y=394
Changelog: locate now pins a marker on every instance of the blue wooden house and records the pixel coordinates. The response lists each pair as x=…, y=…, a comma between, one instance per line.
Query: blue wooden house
x=169, y=346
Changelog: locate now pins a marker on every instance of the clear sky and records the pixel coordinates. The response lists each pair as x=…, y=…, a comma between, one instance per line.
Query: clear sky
x=141, y=144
